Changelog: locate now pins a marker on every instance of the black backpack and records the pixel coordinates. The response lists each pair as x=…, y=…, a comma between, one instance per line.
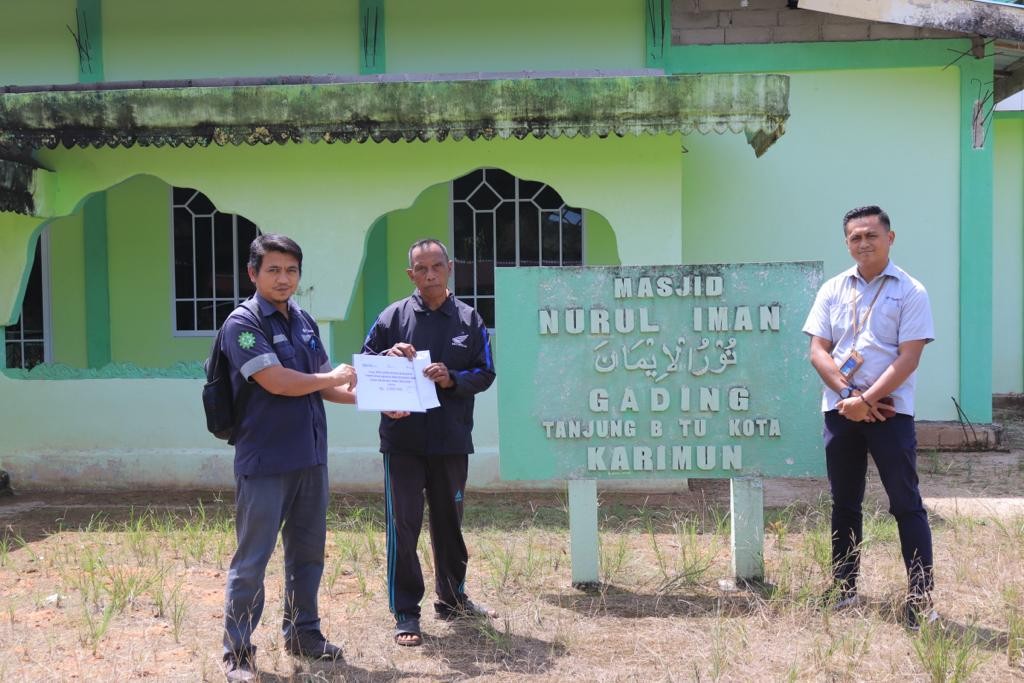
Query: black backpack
x=223, y=409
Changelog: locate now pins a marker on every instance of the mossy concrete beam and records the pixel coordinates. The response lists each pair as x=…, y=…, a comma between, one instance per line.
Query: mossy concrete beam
x=118, y=115
x=24, y=187
x=329, y=195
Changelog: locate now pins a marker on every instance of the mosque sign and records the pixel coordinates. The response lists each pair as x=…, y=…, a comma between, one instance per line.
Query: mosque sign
x=657, y=371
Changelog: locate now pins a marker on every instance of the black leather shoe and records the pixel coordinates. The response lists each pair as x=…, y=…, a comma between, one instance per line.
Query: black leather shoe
x=838, y=597
x=313, y=645
x=918, y=611
x=239, y=667
x=462, y=610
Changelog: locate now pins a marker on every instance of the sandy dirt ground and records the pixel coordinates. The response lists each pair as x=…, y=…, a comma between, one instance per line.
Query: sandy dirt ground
x=519, y=544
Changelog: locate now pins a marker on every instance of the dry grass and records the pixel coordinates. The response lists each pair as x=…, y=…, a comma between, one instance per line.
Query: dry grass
x=137, y=594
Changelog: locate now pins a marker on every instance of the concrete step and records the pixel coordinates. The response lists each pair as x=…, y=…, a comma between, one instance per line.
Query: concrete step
x=1008, y=402
x=953, y=436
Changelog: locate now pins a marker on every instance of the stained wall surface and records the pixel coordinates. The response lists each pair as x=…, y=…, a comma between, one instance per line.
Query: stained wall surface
x=840, y=151
x=887, y=136
x=1008, y=259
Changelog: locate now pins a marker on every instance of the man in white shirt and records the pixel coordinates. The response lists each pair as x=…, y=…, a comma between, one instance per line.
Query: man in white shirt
x=868, y=327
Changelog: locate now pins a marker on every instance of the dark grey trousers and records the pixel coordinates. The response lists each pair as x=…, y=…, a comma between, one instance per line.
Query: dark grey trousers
x=294, y=503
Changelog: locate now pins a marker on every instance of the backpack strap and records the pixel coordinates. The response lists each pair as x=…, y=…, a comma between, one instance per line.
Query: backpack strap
x=247, y=388
x=253, y=307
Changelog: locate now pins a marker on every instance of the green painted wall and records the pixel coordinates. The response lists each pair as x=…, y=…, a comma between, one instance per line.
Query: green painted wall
x=1008, y=258
x=976, y=240
x=843, y=149
x=141, y=327
x=35, y=46
x=599, y=240
x=374, y=281
x=139, y=250
x=427, y=217
x=67, y=293
x=187, y=39
x=898, y=146
x=430, y=216
x=372, y=36
x=974, y=267
x=18, y=236
x=140, y=287
x=342, y=189
x=837, y=153
x=89, y=26
x=138, y=216
x=347, y=335
x=470, y=35
x=97, y=281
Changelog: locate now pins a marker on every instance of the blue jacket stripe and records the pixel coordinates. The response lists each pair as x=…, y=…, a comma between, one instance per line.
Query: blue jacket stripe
x=392, y=541
x=487, y=348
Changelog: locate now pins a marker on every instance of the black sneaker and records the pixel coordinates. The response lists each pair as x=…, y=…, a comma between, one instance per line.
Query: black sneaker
x=918, y=611
x=312, y=645
x=465, y=609
x=239, y=667
x=838, y=598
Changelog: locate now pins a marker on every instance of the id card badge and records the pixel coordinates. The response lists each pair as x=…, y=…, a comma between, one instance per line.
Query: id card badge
x=851, y=365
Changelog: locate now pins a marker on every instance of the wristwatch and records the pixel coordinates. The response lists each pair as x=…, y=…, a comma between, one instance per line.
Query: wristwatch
x=846, y=392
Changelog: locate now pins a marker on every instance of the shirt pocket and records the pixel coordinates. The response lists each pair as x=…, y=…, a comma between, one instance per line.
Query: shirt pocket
x=885, y=322
x=838, y=321
x=285, y=353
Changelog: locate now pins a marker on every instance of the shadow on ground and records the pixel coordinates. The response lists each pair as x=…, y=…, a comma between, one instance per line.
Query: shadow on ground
x=470, y=642
x=612, y=601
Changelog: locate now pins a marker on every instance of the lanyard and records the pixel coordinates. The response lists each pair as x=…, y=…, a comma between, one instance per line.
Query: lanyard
x=858, y=322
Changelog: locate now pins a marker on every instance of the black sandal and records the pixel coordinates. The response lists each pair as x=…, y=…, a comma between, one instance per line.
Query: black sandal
x=410, y=630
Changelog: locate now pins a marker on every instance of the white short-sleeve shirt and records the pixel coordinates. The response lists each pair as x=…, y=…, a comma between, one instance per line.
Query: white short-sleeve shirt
x=900, y=314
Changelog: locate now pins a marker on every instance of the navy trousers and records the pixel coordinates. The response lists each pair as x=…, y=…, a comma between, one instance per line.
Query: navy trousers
x=294, y=503
x=441, y=481
x=893, y=446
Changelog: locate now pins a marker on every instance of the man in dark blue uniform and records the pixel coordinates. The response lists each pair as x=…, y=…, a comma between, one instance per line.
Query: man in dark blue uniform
x=280, y=456
x=429, y=452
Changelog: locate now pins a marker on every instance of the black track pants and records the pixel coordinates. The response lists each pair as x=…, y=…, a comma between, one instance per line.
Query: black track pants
x=441, y=481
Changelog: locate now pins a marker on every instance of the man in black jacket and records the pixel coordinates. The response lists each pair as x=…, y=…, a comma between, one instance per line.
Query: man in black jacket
x=429, y=452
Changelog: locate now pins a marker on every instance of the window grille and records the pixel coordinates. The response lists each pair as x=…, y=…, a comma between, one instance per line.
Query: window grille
x=499, y=220
x=210, y=253
x=26, y=341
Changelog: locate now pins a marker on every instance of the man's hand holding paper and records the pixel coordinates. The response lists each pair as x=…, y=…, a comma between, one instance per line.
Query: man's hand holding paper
x=399, y=382
x=435, y=372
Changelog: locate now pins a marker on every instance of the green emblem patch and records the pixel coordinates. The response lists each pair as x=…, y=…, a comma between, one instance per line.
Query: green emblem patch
x=247, y=340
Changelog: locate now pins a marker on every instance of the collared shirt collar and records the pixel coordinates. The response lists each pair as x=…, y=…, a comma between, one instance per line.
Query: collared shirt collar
x=890, y=269
x=448, y=307
x=268, y=309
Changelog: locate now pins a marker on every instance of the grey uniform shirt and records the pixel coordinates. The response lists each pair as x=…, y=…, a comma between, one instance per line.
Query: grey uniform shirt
x=900, y=314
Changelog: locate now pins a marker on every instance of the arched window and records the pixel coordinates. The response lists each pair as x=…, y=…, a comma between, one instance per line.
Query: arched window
x=499, y=220
x=210, y=252
x=26, y=342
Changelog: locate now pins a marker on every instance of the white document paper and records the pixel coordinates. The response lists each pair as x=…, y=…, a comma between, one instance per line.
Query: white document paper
x=394, y=383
